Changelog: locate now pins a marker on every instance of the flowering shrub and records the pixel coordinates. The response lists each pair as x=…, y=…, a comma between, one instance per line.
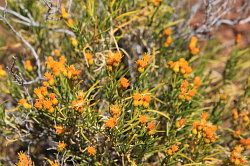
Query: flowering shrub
x=82, y=98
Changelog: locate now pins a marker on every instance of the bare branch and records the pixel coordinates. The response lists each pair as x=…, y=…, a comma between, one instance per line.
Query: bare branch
x=38, y=63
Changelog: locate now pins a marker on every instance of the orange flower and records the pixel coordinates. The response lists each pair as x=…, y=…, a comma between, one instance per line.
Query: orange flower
x=78, y=104
x=167, y=31
x=91, y=150
x=143, y=119
x=142, y=99
x=124, y=83
x=151, y=128
x=237, y=133
x=111, y=123
x=143, y=63
x=173, y=149
x=57, y=52
x=23, y=102
x=115, y=110
x=180, y=123
x=180, y=66
x=64, y=13
x=59, y=129
x=61, y=146
x=48, y=76
x=245, y=142
x=193, y=46
x=89, y=58
x=113, y=60
x=236, y=156
x=2, y=72
x=235, y=114
x=197, y=82
x=53, y=99
x=72, y=72
x=168, y=41
x=155, y=2
x=23, y=160
x=70, y=23
x=204, y=116
x=53, y=163
x=39, y=104
x=28, y=65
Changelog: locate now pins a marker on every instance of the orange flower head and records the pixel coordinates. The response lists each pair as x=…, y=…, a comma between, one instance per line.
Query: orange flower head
x=24, y=103
x=70, y=23
x=89, y=58
x=113, y=59
x=23, y=160
x=115, y=110
x=197, y=82
x=64, y=13
x=72, y=72
x=143, y=119
x=61, y=146
x=91, y=150
x=180, y=123
x=167, y=31
x=57, y=52
x=27, y=65
x=204, y=116
x=193, y=46
x=124, y=83
x=151, y=126
x=59, y=129
x=54, y=163
x=111, y=123
x=168, y=41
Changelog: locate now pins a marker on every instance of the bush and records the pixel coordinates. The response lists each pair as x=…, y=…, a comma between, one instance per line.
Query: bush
x=116, y=83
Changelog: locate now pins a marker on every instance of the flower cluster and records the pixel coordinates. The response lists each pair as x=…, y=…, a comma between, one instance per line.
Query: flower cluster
x=65, y=15
x=91, y=150
x=245, y=142
x=151, y=128
x=142, y=99
x=143, y=63
x=193, y=46
x=59, y=129
x=23, y=160
x=111, y=122
x=61, y=146
x=24, y=103
x=180, y=123
x=113, y=60
x=115, y=110
x=169, y=39
x=59, y=67
x=242, y=117
x=46, y=100
x=124, y=83
x=204, y=129
x=187, y=91
x=236, y=156
x=172, y=150
x=180, y=66
x=79, y=103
